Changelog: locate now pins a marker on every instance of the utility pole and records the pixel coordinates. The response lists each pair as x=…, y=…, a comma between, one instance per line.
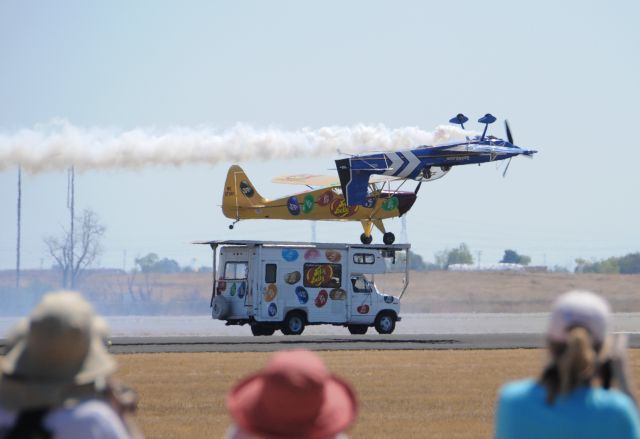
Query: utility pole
x=71, y=206
x=479, y=258
x=19, y=228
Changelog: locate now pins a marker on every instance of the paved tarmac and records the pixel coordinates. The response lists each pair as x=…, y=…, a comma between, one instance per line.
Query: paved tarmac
x=416, y=331
x=331, y=343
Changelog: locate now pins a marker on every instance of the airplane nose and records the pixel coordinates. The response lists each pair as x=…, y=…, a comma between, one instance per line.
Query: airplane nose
x=405, y=201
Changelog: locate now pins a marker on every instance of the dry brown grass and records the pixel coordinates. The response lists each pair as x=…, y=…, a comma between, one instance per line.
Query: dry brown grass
x=403, y=394
x=427, y=292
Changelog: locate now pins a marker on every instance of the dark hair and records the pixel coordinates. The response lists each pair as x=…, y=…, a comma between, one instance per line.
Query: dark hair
x=28, y=425
x=573, y=363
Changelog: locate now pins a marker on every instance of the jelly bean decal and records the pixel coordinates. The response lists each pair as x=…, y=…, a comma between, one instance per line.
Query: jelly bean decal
x=311, y=254
x=333, y=256
x=321, y=298
x=363, y=309
x=302, y=295
x=326, y=198
x=370, y=203
x=272, y=310
x=242, y=289
x=308, y=204
x=246, y=189
x=292, y=278
x=390, y=204
x=270, y=292
x=293, y=206
x=233, y=289
x=338, y=294
x=289, y=254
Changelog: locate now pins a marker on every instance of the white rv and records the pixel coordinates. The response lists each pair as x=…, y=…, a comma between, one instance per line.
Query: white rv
x=288, y=285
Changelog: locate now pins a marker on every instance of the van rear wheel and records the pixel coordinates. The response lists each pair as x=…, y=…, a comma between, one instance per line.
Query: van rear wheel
x=293, y=324
x=358, y=329
x=258, y=330
x=385, y=323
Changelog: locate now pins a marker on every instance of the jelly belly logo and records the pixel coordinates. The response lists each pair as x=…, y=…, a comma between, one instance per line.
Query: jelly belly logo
x=293, y=206
x=340, y=209
x=246, y=189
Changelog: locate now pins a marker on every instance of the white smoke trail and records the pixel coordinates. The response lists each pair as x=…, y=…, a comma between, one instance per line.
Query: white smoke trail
x=59, y=144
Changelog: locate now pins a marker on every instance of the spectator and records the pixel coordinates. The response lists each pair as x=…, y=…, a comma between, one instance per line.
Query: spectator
x=55, y=379
x=294, y=396
x=572, y=397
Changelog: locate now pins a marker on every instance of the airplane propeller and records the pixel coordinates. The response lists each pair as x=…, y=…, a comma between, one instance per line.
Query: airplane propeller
x=508, y=130
x=510, y=139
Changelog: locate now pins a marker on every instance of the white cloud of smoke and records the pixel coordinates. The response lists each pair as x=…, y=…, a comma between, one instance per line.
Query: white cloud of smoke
x=59, y=144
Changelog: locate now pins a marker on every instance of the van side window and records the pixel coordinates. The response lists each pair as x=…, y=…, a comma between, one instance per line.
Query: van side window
x=363, y=258
x=318, y=275
x=235, y=270
x=270, y=273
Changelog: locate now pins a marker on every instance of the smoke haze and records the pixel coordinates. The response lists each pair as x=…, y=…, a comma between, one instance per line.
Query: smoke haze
x=59, y=144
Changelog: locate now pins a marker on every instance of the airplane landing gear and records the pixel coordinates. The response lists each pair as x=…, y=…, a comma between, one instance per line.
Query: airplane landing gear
x=233, y=224
x=388, y=238
x=366, y=239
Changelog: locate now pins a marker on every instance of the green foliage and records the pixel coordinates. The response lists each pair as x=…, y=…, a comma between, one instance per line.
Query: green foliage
x=628, y=264
x=416, y=262
x=151, y=263
x=459, y=255
x=512, y=257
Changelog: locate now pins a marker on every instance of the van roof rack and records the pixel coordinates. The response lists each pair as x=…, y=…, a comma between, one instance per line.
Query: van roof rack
x=332, y=245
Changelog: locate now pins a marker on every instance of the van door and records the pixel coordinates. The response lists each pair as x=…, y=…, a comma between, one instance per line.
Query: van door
x=268, y=303
x=361, y=299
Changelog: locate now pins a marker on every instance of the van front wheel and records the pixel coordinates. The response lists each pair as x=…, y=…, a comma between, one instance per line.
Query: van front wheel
x=385, y=323
x=293, y=324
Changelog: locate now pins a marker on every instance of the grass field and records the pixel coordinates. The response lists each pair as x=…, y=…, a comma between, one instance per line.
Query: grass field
x=437, y=291
x=403, y=394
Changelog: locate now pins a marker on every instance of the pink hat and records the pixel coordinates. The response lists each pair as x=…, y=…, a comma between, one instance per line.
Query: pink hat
x=293, y=397
x=579, y=308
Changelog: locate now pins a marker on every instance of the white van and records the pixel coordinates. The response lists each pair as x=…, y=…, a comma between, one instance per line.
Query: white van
x=288, y=285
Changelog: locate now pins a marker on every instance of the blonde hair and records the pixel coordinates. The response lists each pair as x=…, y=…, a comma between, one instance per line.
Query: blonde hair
x=574, y=363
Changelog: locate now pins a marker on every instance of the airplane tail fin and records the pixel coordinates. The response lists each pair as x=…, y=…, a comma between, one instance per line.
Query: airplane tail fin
x=238, y=193
x=354, y=183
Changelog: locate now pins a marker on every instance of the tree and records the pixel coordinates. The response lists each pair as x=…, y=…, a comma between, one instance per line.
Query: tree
x=459, y=255
x=630, y=263
x=73, y=254
x=151, y=263
x=627, y=264
x=512, y=257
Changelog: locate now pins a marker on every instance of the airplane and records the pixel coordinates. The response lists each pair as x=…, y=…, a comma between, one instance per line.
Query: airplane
x=425, y=163
x=242, y=201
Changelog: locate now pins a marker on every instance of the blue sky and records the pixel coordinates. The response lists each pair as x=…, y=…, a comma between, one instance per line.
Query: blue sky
x=565, y=74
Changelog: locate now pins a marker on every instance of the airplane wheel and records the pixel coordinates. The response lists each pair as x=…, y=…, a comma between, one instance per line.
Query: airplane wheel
x=366, y=239
x=388, y=238
x=230, y=226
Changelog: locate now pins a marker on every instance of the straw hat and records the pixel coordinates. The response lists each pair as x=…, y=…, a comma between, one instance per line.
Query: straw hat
x=579, y=308
x=62, y=348
x=293, y=397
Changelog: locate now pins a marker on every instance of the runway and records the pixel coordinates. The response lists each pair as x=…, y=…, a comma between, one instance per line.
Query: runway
x=416, y=331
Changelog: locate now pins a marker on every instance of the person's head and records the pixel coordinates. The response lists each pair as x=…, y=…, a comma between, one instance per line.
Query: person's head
x=578, y=327
x=59, y=350
x=294, y=396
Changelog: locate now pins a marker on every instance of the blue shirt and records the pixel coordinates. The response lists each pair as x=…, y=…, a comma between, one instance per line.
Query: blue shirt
x=587, y=412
